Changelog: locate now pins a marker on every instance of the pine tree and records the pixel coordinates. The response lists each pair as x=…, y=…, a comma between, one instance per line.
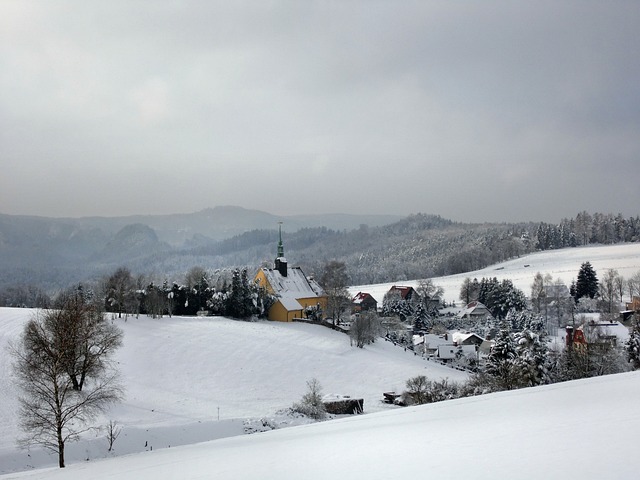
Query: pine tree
x=532, y=359
x=421, y=318
x=633, y=346
x=502, y=362
x=239, y=303
x=587, y=284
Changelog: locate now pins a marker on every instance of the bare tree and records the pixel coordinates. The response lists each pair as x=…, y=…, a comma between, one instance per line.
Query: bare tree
x=87, y=335
x=120, y=294
x=430, y=292
x=538, y=292
x=365, y=329
x=113, y=432
x=609, y=291
x=417, y=389
x=633, y=284
x=56, y=407
x=334, y=280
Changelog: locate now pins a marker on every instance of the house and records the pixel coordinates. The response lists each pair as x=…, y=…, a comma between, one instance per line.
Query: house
x=475, y=310
x=634, y=304
x=408, y=294
x=428, y=343
x=598, y=333
x=363, y=301
x=462, y=338
x=450, y=352
x=295, y=292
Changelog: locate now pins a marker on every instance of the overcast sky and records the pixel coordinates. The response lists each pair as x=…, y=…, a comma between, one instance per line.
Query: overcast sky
x=476, y=111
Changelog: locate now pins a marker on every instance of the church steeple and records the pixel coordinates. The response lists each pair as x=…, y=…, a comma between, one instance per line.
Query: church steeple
x=280, y=245
x=281, y=262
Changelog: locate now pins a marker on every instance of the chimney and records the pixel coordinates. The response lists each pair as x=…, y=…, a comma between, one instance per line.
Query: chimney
x=569, y=330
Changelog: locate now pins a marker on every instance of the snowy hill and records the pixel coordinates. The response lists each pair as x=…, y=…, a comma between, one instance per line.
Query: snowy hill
x=563, y=264
x=182, y=374
x=584, y=429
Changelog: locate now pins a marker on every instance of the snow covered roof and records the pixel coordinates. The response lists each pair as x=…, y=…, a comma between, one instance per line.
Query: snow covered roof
x=405, y=291
x=432, y=340
x=474, y=308
x=608, y=329
x=361, y=297
x=290, y=303
x=460, y=337
x=292, y=287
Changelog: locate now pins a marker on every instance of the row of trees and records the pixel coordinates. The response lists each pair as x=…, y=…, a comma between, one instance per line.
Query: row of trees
x=498, y=296
x=236, y=297
x=587, y=229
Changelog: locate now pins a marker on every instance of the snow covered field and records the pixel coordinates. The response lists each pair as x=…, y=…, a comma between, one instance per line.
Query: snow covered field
x=584, y=429
x=563, y=264
x=182, y=374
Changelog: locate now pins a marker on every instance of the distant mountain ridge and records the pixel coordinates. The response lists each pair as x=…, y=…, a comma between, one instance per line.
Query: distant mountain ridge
x=55, y=251
x=217, y=223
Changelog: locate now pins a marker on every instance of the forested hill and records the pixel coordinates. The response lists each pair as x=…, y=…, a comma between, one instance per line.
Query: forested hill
x=418, y=246
x=48, y=256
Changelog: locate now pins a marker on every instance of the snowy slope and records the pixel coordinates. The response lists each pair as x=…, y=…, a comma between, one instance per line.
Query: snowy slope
x=563, y=264
x=182, y=374
x=584, y=429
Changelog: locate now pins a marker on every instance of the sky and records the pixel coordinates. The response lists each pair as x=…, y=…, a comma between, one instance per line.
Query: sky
x=476, y=111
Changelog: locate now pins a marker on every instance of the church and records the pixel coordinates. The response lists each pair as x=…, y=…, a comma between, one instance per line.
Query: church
x=294, y=291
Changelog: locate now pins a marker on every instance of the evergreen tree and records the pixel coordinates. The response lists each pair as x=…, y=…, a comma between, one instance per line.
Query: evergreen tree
x=501, y=297
x=587, y=283
x=633, y=346
x=501, y=363
x=421, y=318
x=532, y=359
x=240, y=302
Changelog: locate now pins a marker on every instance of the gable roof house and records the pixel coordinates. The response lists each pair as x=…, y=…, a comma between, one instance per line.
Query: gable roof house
x=408, y=294
x=475, y=310
x=294, y=291
x=603, y=334
x=363, y=301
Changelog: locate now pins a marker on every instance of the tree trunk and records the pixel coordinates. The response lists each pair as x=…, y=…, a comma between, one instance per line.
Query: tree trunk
x=60, y=448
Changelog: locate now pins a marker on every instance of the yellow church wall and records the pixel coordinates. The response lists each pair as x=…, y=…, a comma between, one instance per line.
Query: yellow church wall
x=278, y=312
x=261, y=280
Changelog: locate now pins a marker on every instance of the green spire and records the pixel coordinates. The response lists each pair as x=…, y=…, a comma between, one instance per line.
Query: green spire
x=280, y=245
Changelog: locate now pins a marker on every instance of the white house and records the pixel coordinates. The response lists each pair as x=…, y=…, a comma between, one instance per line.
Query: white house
x=475, y=310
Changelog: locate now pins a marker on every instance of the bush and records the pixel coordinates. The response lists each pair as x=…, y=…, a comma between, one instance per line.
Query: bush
x=311, y=403
x=421, y=390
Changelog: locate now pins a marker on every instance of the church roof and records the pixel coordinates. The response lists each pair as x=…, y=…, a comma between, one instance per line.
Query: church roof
x=295, y=285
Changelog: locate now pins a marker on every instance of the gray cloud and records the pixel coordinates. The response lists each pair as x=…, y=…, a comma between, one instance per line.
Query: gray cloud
x=476, y=111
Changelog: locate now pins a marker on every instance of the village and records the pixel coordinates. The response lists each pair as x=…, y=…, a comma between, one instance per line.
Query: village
x=462, y=336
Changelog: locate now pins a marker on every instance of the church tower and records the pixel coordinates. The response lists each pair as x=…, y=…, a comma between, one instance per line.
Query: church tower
x=281, y=262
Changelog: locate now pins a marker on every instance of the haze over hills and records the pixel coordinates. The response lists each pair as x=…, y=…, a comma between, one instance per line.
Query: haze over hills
x=51, y=254
x=215, y=223
x=54, y=252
